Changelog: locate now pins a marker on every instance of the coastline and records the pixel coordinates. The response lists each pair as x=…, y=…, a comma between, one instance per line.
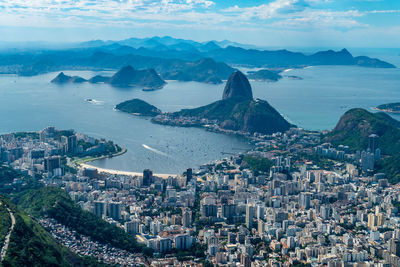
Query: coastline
x=79, y=161
x=110, y=171
x=83, y=163
x=386, y=110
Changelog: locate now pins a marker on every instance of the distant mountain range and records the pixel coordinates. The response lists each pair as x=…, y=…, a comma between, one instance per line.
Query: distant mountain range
x=172, y=58
x=165, y=42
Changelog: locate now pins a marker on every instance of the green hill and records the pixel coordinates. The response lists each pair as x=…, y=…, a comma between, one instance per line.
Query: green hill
x=237, y=111
x=138, y=106
x=128, y=76
x=55, y=203
x=356, y=125
x=7, y=178
x=391, y=107
x=249, y=115
x=264, y=75
x=5, y=222
x=31, y=245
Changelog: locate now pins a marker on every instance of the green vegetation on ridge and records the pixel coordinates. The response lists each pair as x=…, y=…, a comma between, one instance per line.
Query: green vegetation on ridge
x=256, y=164
x=7, y=184
x=264, y=75
x=55, y=203
x=353, y=130
x=249, y=115
x=138, y=106
x=5, y=222
x=392, y=107
x=31, y=245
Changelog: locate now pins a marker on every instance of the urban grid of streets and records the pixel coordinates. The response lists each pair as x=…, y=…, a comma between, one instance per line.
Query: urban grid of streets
x=317, y=204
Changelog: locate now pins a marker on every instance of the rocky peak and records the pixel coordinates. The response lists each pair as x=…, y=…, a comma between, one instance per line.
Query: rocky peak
x=238, y=87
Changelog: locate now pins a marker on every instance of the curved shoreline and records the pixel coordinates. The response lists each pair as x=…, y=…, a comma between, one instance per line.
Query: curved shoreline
x=80, y=161
x=386, y=110
x=129, y=173
x=83, y=163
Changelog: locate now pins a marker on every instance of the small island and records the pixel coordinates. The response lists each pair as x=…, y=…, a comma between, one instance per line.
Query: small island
x=125, y=77
x=138, y=107
x=130, y=77
x=62, y=79
x=390, y=108
x=264, y=75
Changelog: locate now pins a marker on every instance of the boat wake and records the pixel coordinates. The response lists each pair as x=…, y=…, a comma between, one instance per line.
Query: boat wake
x=94, y=101
x=154, y=150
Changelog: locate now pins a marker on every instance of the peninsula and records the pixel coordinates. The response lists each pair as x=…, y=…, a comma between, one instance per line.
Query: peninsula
x=390, y=108
x=237, y=112
x=264, y=75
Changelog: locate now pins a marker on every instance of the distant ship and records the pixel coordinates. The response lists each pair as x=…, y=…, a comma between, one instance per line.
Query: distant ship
x=93, y=101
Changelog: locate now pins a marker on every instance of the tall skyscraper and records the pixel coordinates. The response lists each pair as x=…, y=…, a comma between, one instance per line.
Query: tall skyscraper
x=147, y=177
x=187, y=218
x=100, y=208
x=228, y=211
x=51, y=163
x=208, y=210
x=394, y=246
x=373, y=142
x=132, y=227
x=260, y=211
x=114, y=210
x=189, y=175
x=305, y=200
x=249, y=216
x=245, y=260
x=367, y=161
x=72, y=144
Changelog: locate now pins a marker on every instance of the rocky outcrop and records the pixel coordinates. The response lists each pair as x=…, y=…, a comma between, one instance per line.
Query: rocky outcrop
x=99, y=79
x=62, y=78
x=128, y=76
x=237, y=87
x=138, y=107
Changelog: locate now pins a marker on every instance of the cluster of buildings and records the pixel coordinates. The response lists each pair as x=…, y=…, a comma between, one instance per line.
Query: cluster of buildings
x=83, y=245
x=365, y=159
x=43, y=153
x=228, y=214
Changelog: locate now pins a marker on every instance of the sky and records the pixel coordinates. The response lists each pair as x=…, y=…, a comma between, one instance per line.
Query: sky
x=267, y=23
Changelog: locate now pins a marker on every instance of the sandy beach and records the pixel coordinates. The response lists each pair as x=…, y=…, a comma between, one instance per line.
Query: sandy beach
x=102, y=170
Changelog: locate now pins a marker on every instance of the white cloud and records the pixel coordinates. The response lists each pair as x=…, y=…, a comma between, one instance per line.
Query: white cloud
x=278, y=14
